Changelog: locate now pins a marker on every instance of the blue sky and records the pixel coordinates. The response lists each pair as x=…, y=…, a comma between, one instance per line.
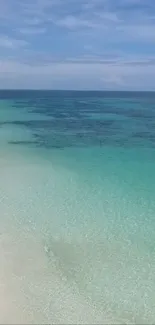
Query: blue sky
x=77, y=44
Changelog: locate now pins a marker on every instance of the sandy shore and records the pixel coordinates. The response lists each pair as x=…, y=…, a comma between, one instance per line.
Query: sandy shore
x=31, y=291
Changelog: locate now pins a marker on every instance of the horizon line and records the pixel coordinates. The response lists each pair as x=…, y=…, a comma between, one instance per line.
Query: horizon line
x=75, y=90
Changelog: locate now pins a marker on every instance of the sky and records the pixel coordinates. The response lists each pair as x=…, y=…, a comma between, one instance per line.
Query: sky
x=77, y=44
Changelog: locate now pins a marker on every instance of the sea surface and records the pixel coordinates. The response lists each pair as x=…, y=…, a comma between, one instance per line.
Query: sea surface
x=77, y=207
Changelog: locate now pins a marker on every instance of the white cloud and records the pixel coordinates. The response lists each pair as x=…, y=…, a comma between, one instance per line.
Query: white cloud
x=140, y=32
x=11, y=43
x=89, y=26
x=105, y=17
x=32, y=31
x=80, y=75
x=72, y=22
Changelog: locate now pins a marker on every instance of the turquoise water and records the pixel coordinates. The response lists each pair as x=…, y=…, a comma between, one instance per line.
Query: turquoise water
x=77, y=207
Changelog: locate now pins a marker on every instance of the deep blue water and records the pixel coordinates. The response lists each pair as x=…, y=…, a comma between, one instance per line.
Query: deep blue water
x=77, y=119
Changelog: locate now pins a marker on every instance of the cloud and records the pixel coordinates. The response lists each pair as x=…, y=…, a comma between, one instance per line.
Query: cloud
x=31, y=31
x=11, y=43
x=141, y=32
x=128, y=17
x=72, y=22
x=104, y=43
x=79, y=75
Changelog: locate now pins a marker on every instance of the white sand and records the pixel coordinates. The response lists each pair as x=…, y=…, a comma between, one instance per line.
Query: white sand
x=31, y=291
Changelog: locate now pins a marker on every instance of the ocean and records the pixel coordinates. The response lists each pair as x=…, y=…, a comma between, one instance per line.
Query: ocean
x=77, y=207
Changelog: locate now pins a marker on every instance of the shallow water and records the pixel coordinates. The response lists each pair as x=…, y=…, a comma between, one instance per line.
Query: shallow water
x=77, y=207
